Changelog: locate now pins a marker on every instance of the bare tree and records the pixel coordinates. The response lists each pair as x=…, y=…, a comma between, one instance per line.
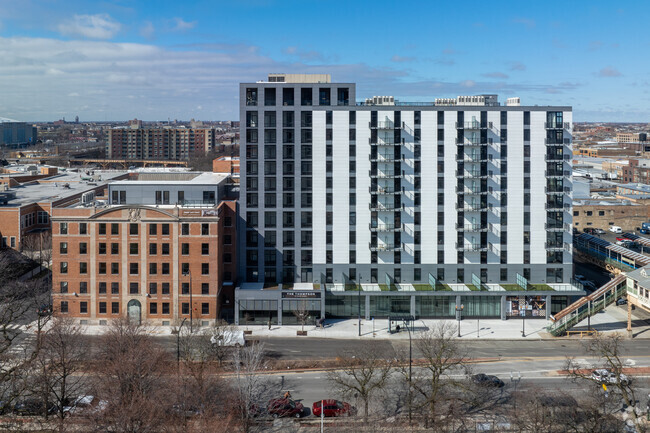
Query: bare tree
x=362, y=375
x=133, y=380
x=606, y=350
x=302, y=314
x=220, y=334
x=252, y=388
x=59, y=365
x=435, y=388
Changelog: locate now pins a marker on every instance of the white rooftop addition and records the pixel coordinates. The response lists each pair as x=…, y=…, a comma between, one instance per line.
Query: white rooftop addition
x=5, y=120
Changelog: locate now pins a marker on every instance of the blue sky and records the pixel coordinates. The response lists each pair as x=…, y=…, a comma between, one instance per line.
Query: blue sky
x=116, y=60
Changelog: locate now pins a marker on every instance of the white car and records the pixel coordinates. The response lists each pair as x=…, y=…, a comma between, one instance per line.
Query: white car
x=86, y=404
x=603, y=375
x=615, y=229
x=229, y=338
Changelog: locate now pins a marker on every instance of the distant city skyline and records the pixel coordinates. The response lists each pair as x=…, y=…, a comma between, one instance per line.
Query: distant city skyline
x=116, y=60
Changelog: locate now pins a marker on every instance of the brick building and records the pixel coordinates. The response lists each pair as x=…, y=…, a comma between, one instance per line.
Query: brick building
x=163, y=249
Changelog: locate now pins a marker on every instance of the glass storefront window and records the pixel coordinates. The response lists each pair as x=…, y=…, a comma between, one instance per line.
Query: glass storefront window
x=344, y=306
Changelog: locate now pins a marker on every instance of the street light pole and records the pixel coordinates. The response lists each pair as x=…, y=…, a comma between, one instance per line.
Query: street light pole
x=178, y=342
x=189, y=273
x=523, y=322
x=410, y=371
x=359, y=303
x=459, y=313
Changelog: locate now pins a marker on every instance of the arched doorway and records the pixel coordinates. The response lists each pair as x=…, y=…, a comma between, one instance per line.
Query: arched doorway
x=134, y=310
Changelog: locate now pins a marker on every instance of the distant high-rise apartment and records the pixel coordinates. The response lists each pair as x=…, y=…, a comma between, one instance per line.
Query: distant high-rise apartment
x=136, y=142
x=462, y=193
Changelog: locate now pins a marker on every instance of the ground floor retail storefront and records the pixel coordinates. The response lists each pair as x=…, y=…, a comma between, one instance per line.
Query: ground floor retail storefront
x=256, y=305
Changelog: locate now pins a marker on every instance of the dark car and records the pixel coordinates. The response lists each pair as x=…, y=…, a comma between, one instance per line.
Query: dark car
x=45, y=310
x=589, y=230
x=33, y=406
x=487, y=380
x=281, y=407
x=332, y=408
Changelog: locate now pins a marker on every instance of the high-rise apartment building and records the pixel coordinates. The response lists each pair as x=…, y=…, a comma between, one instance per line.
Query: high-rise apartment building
x=461, y=194
x=136, y=142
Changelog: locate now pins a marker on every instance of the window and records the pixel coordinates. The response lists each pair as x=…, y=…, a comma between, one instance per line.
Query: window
x=165, y=307
x=227, y=221
x=153, y=288
x=83, y=248
x=324, y=96
x=83, y=268
x=102, y=268
x=227, y=239
x=181, y=197
x=64, y=287
x=83, y=307
x=102, y=288
x=185, y=288
x=287, y=96
x=205, y=249
x=205, y=268
x=269, y=96
x=133, y=248
x=306, y=96
x=185, y=229
x=153, y=308
x=63, y=248
x=227, y=257
x=63, y=228
x=115, y=307
x=115, y=268
x=115, y=288
x=153, y=229
x=102, y=228
x=165, y=249
x=205, y=229
x=185, y=249
x=64, y=267
x=153, y=249
x=115, y=229
x=102, y=308
x=205, y=288
x=165, y=268
x=115, y=248
x=64, y=306
x=205, y=308
x=185, y=308
x=133, y=288
x=165, y=229
x=133, y=229
x=153, y=268
x=83, y=287
x=165, y=289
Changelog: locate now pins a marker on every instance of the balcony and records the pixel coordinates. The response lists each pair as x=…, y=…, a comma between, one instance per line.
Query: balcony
x=385, y=174
x=385, y=247
x=557, y=246
x=382, y=227
x=564, y=142
x=557, y=227
x=389, y=141
x=473, y=142
x=470, y=191
x=389, y=190
x=384, y=207
x=557, y=125
x=550, y=158
x=471, y=173
x=471, y=207
x=471, y=247
x=385, y=157
x=557, y=173
x=473, y=124
x=557, y=207
x=471, y=227
x=473, y=157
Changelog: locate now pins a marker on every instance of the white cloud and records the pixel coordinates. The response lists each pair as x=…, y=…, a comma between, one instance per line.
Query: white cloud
x=147, y=30
x=99, y=26
x=401, y=59
x=181, y=25
x=609, y=72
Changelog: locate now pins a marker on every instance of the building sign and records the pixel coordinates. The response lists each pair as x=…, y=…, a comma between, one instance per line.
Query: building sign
x=188, y=213
x=210, y=212
x=300, y=295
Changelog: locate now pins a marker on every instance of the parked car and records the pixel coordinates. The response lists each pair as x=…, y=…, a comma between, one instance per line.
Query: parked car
x=487, y=380
x=45, y=310
x=281, y=407
x=332, y=408
x=621, y=301
x=589, y=230
x=229, y=338
x=615, y=229
x=603, y=375
x=599, y=231
x=33, y=406
x=85, y=404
